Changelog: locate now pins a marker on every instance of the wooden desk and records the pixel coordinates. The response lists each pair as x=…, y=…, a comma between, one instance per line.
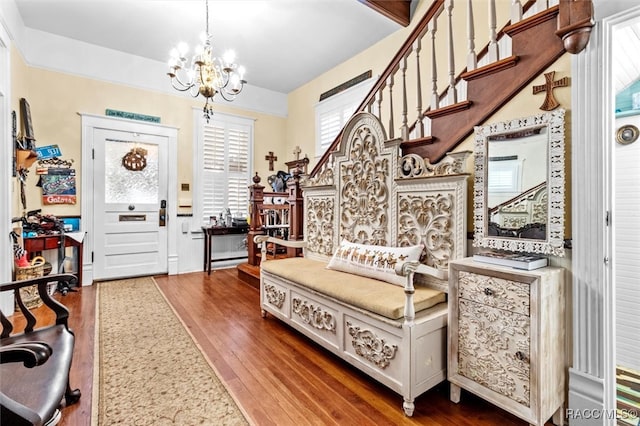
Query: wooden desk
x=210, y=231
x=35, y=245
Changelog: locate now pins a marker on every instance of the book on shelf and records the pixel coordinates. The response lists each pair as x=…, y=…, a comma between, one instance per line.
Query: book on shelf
x=514, y=260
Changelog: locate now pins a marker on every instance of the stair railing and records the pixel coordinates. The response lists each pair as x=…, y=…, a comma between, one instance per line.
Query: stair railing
x=420, y=72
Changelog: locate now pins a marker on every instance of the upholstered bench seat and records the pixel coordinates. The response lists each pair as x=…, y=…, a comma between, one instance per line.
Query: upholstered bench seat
x=366, y=293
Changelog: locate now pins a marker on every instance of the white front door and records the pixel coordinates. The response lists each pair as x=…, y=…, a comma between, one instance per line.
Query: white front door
x=130, y=211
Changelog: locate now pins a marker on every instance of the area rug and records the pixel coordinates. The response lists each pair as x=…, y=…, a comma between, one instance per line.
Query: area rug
x=149, y=371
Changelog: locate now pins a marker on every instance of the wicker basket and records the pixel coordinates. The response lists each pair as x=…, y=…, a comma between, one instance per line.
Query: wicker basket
x=30, y=295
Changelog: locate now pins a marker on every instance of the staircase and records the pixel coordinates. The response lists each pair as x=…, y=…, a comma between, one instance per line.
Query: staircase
x=434, y=104
x=460, y=97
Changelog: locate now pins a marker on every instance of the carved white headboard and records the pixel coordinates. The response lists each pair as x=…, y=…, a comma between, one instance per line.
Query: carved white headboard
x=369, y=194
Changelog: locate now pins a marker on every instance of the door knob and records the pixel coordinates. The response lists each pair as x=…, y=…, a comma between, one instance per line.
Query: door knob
x=132, y=207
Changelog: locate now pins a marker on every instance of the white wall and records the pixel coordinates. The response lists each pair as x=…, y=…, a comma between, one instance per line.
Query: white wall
x=191, y=248
x=6, y=157
x=626, y=234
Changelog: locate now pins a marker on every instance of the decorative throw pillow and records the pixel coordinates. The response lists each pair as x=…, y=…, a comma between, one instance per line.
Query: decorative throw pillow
x=373, y=261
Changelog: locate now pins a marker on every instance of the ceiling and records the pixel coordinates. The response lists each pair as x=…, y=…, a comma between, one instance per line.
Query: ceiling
x=626, y=63
x=283, y=44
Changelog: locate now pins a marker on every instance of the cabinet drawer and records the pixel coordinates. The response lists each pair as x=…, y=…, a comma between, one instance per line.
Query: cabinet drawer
x=493, y=349
x=496, y=292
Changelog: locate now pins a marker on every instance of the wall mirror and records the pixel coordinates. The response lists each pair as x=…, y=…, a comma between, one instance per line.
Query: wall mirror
x=519, y=185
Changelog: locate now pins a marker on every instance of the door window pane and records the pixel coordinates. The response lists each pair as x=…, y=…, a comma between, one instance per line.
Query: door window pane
x=130, y=186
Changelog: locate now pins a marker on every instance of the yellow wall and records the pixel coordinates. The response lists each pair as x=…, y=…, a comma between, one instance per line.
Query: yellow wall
x=55, y=100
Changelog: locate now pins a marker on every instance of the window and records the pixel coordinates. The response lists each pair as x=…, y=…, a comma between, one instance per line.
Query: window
x=222, y=155
x=333, y=113
x=503, y=175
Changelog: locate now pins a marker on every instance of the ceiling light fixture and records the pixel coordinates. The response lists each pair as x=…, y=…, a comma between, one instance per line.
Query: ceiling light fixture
x=206, y=74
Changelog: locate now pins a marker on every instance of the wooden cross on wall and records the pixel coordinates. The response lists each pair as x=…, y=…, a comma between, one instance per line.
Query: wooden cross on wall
x=550, y=101
x=296, y=152
x=271, y=158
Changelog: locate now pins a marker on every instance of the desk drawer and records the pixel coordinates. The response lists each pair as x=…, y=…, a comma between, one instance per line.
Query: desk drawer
x=41, y=243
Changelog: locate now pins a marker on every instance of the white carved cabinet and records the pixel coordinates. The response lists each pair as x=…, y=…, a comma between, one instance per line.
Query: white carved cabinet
x=507, y=338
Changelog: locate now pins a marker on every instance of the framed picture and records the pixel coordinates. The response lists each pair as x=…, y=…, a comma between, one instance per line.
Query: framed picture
x=27, y=126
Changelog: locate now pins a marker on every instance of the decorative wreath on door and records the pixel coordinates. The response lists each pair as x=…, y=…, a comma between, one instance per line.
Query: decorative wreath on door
x=135, y=160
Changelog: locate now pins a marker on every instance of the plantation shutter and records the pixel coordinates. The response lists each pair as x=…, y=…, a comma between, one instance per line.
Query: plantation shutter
x=503, y=176
x=331, y=122
x=225, y=176
x=333, y=113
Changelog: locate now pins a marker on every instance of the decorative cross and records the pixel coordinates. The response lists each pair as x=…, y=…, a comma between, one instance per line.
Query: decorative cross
x=297, y=151
x=271, y=158
x=550, y=101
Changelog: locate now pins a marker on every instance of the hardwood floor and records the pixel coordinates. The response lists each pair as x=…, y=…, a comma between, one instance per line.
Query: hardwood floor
x=278, y=376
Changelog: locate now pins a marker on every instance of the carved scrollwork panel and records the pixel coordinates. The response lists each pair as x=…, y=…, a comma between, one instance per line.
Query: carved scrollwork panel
x=493, y=349
x=412, y=165
x=427, y=219
x=365, y=192
x=314, y=315
x=274, y=296
x=322, y=178
x=319, y=223
x=371, y=347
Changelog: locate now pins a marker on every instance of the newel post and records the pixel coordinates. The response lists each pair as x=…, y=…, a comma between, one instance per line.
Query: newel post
x=256, y=198
x=296, y=213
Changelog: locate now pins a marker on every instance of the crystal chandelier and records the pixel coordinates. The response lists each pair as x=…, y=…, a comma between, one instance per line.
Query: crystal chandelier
x=206, y=74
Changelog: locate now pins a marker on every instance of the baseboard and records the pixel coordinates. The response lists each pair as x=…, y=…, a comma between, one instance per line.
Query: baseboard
x=586, y=401
x=87, y=274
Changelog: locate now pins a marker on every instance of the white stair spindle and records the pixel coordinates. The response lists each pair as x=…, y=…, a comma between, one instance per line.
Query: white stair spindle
x=516, y=11
x=472, y=59
x=379, y=102
x=404, y=130
x=419, y=127
x=493, y=43
x=435, y=99
x=452, y=96
x=391, y=125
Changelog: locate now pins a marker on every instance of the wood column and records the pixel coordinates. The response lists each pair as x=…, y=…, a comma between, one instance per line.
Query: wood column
x=296, y=211
x=256, y=198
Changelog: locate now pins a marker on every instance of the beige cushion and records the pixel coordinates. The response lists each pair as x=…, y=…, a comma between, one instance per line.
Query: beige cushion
x=366, y=293
x=377, y=262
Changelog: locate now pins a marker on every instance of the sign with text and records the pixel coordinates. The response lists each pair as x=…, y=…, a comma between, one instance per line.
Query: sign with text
x=49, y=151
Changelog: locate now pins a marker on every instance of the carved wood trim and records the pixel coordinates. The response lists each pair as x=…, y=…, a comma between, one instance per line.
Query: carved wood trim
x=274, y=296
x=371, y=347
x=314, y=315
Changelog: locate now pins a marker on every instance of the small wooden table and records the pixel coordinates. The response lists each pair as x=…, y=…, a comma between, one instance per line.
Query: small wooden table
x=34, y=245
x=210, y=231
